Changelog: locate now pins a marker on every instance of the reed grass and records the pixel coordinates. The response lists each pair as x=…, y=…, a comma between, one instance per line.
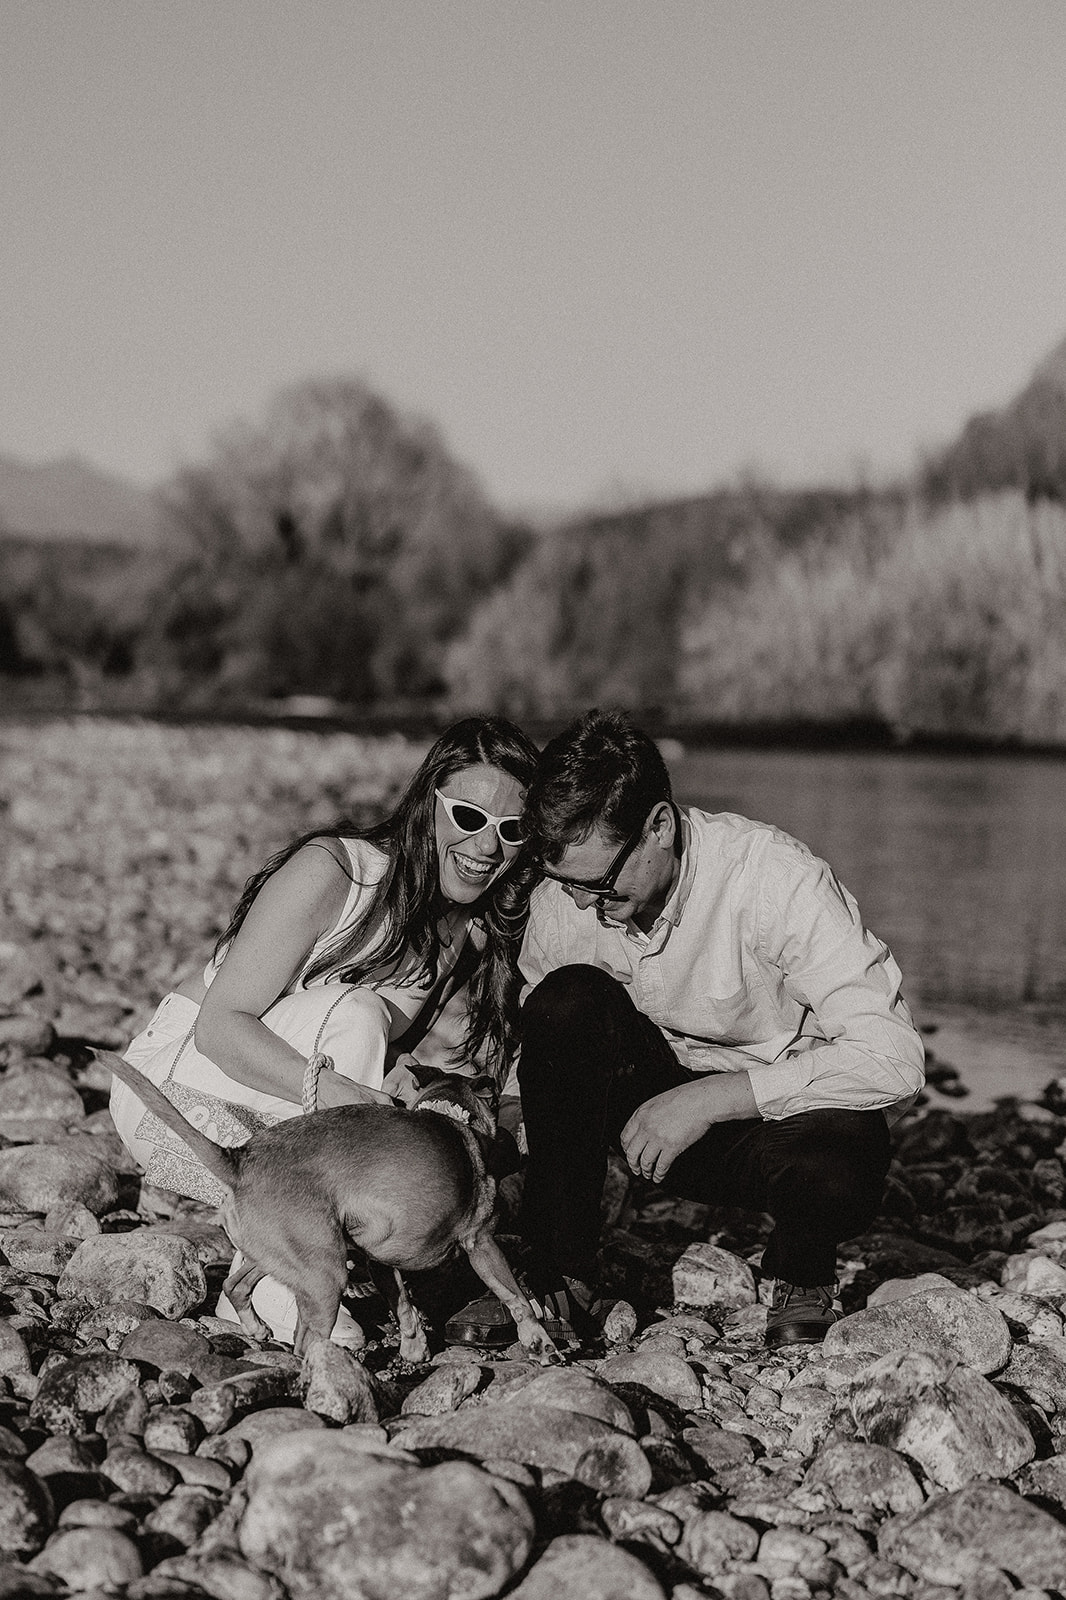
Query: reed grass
x=955, y=626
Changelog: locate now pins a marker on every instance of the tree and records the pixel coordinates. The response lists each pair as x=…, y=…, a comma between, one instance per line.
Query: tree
x=335, y=547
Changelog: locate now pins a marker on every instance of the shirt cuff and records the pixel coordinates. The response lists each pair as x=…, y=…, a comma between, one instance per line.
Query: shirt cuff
x=775, y=1084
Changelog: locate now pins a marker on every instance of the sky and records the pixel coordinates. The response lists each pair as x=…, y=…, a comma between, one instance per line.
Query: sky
x=614, y=250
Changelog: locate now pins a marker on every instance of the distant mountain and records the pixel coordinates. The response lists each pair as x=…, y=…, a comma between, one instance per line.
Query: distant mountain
x=1022, y=446
x=73, y=499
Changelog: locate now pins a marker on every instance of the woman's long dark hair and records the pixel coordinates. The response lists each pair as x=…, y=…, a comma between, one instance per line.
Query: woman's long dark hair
x=404, y=907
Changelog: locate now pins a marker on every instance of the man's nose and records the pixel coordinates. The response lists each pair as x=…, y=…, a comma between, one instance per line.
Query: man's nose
x=584, y=899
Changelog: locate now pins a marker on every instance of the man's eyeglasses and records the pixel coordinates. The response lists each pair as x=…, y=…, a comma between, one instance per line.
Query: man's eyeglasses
x=602, y=893
x=468, y=819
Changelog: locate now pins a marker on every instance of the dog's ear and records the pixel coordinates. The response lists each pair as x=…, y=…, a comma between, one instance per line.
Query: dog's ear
x=483, y=1084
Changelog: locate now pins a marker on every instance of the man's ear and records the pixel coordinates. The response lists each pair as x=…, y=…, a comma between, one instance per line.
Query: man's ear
x=663, y=824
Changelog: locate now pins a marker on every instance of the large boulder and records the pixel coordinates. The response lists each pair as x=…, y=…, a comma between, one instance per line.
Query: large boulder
x=955, y=1538
x=335, y=1523
x=945, y=1416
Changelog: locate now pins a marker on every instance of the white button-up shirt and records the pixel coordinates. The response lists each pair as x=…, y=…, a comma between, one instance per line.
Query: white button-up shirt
x=758, y=963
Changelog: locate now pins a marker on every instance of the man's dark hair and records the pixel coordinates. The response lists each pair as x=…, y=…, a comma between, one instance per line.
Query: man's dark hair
x=601, y=772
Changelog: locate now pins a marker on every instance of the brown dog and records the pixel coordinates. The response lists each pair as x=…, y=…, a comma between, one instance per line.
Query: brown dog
x=405, y=1186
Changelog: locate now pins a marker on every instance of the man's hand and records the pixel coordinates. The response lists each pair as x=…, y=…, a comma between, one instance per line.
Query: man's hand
x=668, y=1123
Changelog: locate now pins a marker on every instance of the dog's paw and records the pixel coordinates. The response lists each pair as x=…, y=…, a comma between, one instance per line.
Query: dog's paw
x=537, y=1342
x=414, y=1348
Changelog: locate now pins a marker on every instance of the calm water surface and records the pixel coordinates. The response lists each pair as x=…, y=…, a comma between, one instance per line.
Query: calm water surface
x=958, y=863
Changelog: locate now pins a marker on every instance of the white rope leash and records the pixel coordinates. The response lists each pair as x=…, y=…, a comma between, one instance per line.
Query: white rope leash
x=317, y=1063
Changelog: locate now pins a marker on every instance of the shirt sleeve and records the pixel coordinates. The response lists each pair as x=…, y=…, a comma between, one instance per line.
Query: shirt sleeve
x=811, y=931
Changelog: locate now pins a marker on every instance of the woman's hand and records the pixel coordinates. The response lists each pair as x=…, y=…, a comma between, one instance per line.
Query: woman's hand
x=336, y=1090
x=401, y=1080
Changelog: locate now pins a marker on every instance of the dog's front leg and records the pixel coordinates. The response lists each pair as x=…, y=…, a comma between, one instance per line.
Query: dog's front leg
x=491, y=1266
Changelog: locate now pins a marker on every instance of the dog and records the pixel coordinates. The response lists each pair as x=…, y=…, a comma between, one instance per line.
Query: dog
x=406, y=1186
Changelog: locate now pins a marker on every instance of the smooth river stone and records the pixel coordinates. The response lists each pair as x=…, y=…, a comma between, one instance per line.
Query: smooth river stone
x=31, y=1249
x=1040, y=1374
x=27, y=1514
x=37, y=1089
x=81, y=1388
x=568, y=1389
x=578, y=1566
x=951, y=1321
x=866, y=1477
x=166, y=1346
x=26, y=1035
x=584, y=1448
x=707, y=1275
x=159, y=1269
x=443, y=1391
x=714, y=1540
x=665, y=1374
x=955, y=1538
x=337, y=1524
x=1036, y=1274
x=893, y=1289
x=101, y=1559
x=36, y=1177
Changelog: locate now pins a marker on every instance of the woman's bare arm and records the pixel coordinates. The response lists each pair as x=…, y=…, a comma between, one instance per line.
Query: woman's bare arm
x=294, y=908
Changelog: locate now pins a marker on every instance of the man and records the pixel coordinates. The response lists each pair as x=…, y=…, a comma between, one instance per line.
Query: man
x=701, y=992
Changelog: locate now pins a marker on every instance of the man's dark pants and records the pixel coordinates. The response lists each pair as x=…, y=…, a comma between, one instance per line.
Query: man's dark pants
x=590, y=1058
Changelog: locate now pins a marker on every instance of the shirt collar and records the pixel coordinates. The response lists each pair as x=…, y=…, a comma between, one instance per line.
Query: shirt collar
x=674, y=908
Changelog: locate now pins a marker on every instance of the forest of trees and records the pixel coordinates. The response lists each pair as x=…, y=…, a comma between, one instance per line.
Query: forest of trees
x=335, y=549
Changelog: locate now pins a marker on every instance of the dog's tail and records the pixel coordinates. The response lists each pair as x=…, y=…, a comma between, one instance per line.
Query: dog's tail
x=219, y=1161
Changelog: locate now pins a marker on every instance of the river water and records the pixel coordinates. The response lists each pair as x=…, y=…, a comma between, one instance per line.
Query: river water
x=958, y=863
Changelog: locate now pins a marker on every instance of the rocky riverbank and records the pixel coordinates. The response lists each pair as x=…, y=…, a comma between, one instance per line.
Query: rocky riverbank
x=148, y=1449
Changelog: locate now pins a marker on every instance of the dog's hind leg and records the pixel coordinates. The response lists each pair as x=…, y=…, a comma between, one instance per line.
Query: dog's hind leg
x=414, y=1346
x=318, y=1301
x=238, y=1288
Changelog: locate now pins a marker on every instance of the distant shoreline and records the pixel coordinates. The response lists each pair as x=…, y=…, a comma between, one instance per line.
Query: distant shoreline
x=866, y=735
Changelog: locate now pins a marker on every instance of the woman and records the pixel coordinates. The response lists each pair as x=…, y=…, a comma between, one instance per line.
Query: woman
x=340, y=954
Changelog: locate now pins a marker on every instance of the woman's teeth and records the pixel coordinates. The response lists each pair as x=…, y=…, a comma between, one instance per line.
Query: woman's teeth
x=475, y=871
